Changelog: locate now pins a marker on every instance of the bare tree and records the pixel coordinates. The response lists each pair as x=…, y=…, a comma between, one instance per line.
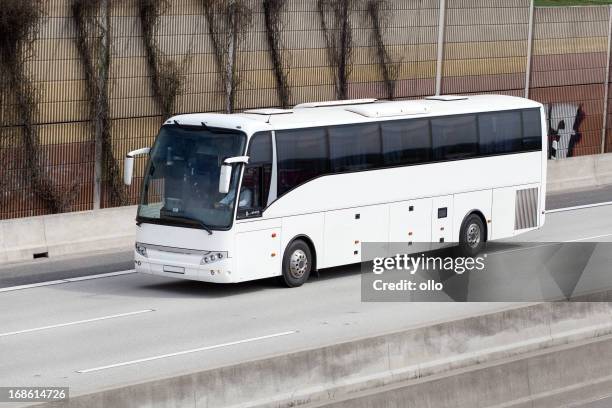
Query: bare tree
x=228, y=22
x=19, y=23
x=380, y=19
x=165, y=74
x=338, y=33
x=92, y=21
x=274, y=26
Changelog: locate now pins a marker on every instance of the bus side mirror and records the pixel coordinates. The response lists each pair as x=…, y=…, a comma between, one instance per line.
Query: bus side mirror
x=225, y=178
x=128, y=168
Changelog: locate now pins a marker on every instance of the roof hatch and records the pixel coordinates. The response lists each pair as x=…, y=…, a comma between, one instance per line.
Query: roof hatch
x=269, y=111
x=446, y=98
x=329, y=104
x=389, y=109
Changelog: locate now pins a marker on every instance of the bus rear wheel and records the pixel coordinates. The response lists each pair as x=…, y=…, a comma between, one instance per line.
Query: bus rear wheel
x=472, y=236
x=297, y=264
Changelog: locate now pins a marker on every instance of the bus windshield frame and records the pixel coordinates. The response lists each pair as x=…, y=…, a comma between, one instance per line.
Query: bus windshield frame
x=181, y=183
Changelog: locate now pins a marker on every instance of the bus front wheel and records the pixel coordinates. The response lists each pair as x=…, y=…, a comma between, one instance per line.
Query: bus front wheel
x=472, y=236
x=297, y=264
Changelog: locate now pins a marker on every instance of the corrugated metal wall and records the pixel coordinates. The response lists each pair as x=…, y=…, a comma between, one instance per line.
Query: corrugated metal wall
x=485, y=46
x=485, y=50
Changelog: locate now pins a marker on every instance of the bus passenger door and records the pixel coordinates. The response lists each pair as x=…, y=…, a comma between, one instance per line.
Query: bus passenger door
x=257, y=239
x=442, y=221
x=410, y=225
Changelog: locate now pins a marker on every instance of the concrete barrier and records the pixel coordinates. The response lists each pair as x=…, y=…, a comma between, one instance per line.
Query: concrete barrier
x=343, y=371
x=579, y=172
x=69, y=233
x=563, y=376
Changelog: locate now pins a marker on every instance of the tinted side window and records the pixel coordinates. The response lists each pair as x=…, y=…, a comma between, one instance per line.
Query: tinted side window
x=500, y=132
x=302, y=156
x=257, y=176
x=454, y=137
x=260, y=149
x=532, y=130
x=406, y=142
x=355, y=147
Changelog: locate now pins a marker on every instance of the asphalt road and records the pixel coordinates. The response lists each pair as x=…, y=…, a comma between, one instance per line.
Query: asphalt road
x=43, y=270
x=601, y=403
x=579, y=197
x=106, y=332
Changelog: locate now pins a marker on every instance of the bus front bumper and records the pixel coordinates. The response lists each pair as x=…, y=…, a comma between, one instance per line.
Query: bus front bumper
x=216, y=272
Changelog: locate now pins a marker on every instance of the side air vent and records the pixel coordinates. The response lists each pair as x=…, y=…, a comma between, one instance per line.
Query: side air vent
x=526, y=212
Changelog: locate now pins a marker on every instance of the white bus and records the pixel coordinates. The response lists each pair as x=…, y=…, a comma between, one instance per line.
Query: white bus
x=315, y=181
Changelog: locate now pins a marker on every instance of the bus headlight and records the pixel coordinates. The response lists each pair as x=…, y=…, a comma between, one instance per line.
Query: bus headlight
x=212, y=257
x=141, y=249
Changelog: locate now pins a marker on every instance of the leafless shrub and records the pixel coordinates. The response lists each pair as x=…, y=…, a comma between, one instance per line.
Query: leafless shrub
x=19, y=22
x=228, y=23
x=165, y=74
x=338, y=33
x=94, y=45
x=274, y=26
x=389, y=69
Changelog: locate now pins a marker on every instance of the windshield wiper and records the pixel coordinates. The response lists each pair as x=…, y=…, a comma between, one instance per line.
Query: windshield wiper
x=189, y=219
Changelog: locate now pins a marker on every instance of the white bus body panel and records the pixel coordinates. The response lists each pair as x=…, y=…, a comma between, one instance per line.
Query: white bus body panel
x=259, y=246
x=410, y=221
x=442, y=228
x=345, y=230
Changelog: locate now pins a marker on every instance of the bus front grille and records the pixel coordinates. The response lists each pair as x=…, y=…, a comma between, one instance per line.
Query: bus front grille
x=526, y=213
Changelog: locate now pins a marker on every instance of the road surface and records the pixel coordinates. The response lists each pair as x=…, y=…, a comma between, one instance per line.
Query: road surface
x=92, y=334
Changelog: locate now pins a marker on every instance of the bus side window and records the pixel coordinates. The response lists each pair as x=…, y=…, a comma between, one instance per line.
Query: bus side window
x=532, y=130
x=454, y=137
x=355, y=147
x=302, y=156
x=257, y=176
x=500, y=132
x=406, y=142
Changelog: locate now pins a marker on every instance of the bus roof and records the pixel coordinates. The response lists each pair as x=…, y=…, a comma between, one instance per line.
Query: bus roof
x=348, y=112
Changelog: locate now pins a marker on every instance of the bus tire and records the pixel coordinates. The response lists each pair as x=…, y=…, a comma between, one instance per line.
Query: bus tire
x=472, y=236
x=297, y=264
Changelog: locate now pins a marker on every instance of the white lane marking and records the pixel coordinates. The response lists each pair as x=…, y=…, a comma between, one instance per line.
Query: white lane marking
x=95, y=319
x=32, y=285
x=579, y=207
x=102, y=275
x=68, y=280
x=587, y=238
x=180, y=353
x=547, y=245
x=519, y=249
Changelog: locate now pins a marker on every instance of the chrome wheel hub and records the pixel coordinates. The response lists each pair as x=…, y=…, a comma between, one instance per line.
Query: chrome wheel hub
x=473, y=235
x=298, y=264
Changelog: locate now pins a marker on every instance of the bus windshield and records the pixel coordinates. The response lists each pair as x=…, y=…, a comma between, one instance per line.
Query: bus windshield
x=181, y=185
